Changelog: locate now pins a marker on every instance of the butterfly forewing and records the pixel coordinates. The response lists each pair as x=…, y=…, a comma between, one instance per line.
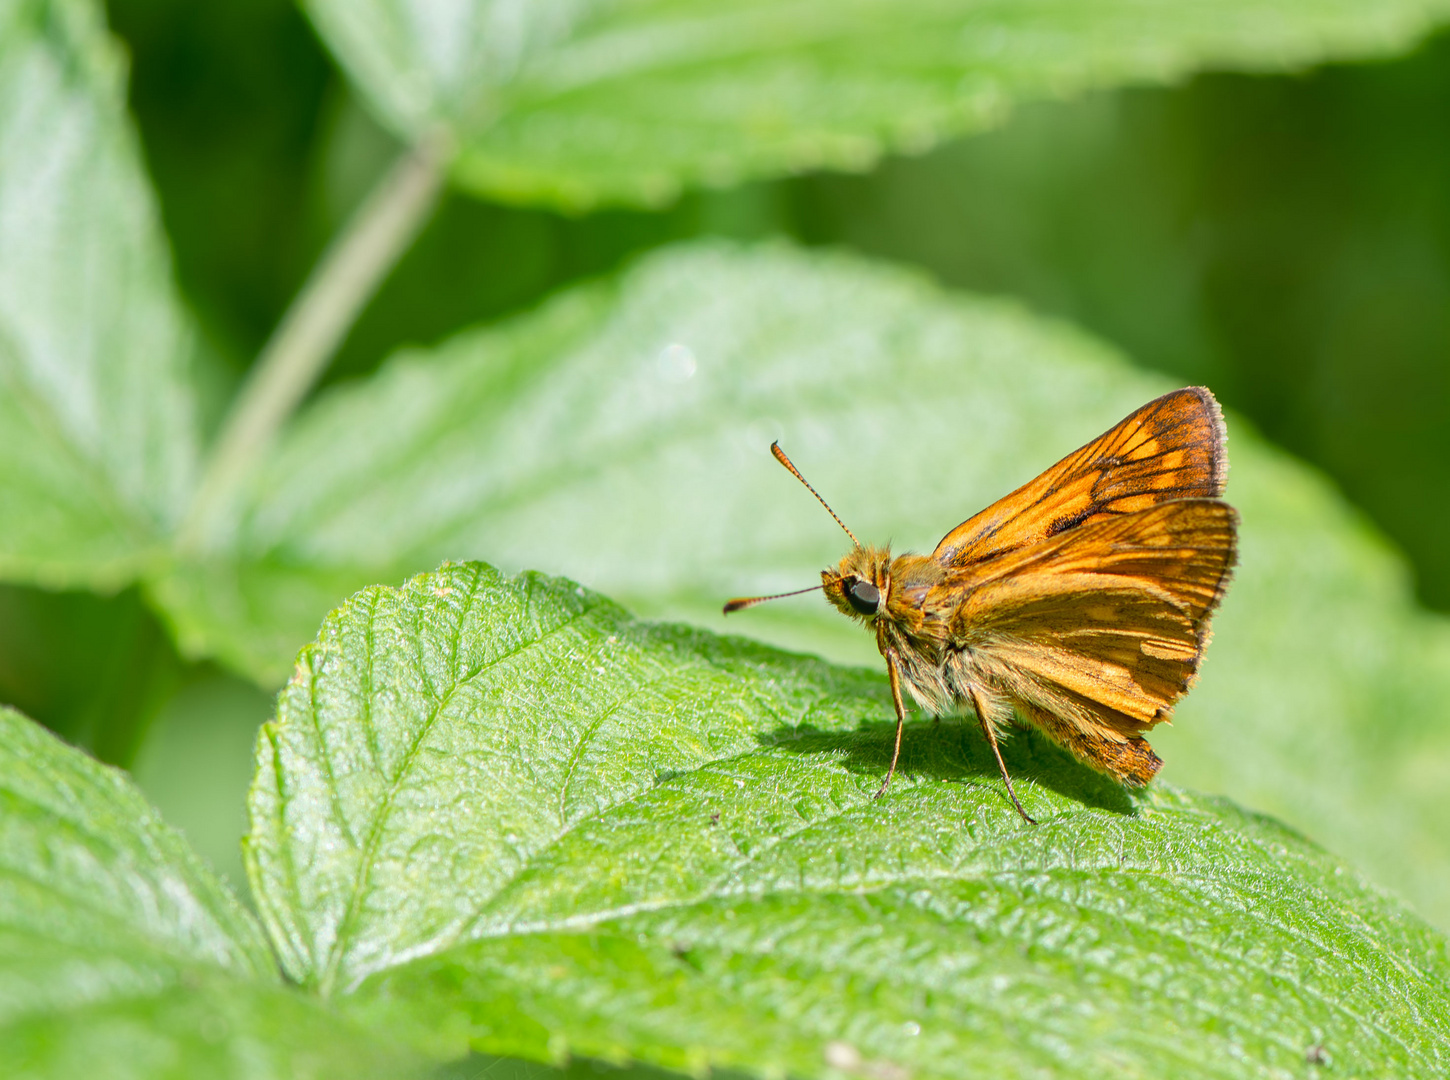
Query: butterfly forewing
x=1171, y=448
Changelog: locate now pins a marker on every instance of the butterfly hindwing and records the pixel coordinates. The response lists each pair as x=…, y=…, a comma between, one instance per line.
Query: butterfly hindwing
x=1103, y=627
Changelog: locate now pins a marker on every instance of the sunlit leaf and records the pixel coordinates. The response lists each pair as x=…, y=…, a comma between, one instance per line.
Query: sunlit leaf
x=122, y=956
x=508, y=815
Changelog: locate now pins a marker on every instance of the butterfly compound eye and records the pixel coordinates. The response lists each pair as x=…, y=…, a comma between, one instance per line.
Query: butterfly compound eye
x=863, y=596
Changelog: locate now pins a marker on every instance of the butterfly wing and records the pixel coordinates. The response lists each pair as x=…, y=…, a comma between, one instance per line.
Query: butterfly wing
x=1171, y=448
x=1096, y=634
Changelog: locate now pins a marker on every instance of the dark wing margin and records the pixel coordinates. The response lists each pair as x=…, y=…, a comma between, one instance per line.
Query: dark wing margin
x=1171, y=448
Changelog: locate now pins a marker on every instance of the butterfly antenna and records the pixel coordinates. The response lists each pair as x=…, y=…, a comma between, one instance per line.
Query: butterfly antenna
x=750, y=601
x=780, y=457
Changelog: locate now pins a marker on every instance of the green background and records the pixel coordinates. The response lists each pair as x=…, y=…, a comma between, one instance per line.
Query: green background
x=1284, y=239
x=557, y=869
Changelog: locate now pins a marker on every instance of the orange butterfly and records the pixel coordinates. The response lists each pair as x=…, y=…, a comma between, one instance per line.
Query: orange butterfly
x=1079, y=603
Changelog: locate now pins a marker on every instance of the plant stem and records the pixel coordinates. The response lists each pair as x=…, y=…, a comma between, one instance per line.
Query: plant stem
x=314, y=326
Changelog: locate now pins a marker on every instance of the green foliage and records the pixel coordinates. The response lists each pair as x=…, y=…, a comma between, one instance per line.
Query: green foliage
x=131, y=667
x=619, y=435
x=500, y=813
x=237, y=116
x=550, y=440
x=97, y=439
x=121, y=955
x=1279, y=240
x=578, y=103
x=664, y=845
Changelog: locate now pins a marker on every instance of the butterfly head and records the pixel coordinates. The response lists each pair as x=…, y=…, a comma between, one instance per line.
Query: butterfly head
x=860, y=583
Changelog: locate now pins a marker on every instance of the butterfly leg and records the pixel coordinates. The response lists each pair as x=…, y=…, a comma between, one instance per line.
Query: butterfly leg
x=980, y=706
x=895, y=676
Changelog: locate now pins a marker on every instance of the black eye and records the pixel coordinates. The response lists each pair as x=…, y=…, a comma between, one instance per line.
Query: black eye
x=863, y=596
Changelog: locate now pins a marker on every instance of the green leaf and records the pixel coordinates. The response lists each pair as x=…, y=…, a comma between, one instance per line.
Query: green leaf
x=152, y=1022
x=506, y=813
x=252, y=615
x=344, y=853
x=288, y=569
x=90, y=867
x=121, y=955
x=97, y=437
x=584, y=102
x=620, y=435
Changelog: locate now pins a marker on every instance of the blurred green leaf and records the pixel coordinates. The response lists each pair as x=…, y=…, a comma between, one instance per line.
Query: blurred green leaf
x=252, y=615
x=236, y=104
x=576, y=102
x=489, y=1067
x=97, y=439
x=121, y=955
x=1285, y=241
x=620, y=435
x=196, y=764
x=516, y=818
x=89, y=866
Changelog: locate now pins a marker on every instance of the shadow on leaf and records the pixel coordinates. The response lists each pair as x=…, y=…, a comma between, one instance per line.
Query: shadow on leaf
x=954, y=749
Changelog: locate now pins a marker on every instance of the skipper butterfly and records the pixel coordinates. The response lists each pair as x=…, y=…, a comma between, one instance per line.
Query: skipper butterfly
x=1078, y=604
